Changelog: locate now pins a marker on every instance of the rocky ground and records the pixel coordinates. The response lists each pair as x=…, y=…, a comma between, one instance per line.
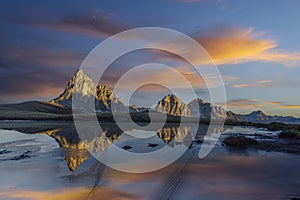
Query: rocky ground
x=283, y=142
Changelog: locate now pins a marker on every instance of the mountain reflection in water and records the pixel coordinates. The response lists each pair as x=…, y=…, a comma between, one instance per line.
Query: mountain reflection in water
x=76, y=148
x=226, y=173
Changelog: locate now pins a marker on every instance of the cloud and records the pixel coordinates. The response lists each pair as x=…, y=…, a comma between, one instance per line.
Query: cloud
x=244, y=103
x=225, y=44
x=41, y=56
x=262, y=83
x=69, y=194
x=96, y=24
x=274, y=102
x=32, y=72
x=170, y=79
x=93, y=24
x=290, y=106
x=234, y=45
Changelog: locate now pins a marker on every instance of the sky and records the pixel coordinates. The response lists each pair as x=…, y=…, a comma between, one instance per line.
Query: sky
x=255, y=45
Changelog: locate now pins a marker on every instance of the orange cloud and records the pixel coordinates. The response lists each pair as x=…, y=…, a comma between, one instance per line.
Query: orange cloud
x=274, y=102
x=262, y=83
x=297, y=106
x=231, y=45
x=228, y=45
x=69, y=194
x=244, y=103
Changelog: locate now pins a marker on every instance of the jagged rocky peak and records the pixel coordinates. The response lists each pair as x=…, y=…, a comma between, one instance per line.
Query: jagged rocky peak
x=106, y=100
x=206, y=110
x=85, y=91
x=210, y=111
x=84, y=84
x=231, y=116
x=104, y=93
x=172, y=105
x=85, y=87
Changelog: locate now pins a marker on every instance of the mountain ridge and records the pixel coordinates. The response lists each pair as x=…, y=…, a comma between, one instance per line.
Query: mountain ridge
x=170, y=104
x=104, y=98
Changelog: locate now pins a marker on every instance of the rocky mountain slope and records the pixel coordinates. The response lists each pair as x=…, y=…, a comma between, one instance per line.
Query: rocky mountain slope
x=105, y=100
x=260, y=117
x=86, y=90
x=206, y=110
x=256, y=116
x=172, y=105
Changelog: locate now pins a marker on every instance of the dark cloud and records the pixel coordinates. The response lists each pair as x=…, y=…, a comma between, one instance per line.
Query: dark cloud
x=94, y=24
x=36, y=62
x=244, y=103
x=31, y=72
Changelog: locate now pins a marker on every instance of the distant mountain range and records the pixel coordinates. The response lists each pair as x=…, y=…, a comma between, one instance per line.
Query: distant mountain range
x=260, y=117
x=104, y=99
x=170, y=104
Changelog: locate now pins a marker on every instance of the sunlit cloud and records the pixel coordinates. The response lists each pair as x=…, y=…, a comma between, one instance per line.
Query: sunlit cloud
x=244, y=103
x=68, y=194
x=96, y=24
x=274, y=102
x=229, y=45
x=262, y=83
x=295, y=106
x=225, y=44
x=235, y=45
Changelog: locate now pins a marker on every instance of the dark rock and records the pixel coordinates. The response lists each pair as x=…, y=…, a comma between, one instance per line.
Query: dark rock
x=126, y=147
x=22, y=156
x=4, y=151
x=239, y=141
x=289, y=134
x=152, y=145
x=294, y=198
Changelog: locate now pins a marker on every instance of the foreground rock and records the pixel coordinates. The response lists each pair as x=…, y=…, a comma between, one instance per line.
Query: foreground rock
x=290, y=134
x=285, y=142
x=239, y=141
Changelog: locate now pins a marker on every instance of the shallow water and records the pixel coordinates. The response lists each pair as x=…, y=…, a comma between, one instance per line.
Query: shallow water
x=38, y=166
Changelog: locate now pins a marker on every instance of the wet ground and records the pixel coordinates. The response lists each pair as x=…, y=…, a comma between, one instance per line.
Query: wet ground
x=43, y=163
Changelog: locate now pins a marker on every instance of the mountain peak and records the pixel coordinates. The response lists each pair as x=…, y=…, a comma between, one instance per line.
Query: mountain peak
x=258, y=112
x=171, y=97
x=257, y=116
x=172, y=105
x=86, y=88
